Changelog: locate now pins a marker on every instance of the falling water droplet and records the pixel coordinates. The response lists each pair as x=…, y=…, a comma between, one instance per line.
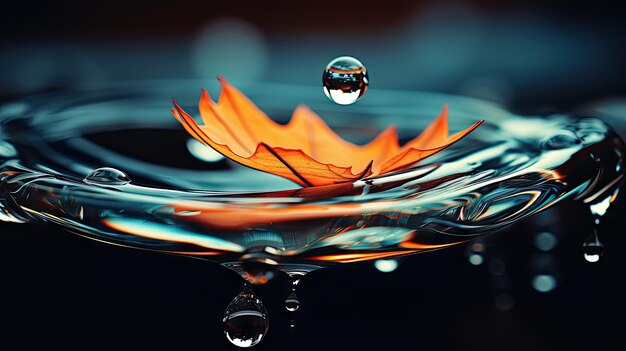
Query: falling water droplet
x=107, y=176
x=292, y=303
x=294, y=283
x=292, y=323
x=345, y=80
x=245, y=319
x=593, y=248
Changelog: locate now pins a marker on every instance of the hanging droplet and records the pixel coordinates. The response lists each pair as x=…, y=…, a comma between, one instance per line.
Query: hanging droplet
x=593, y=248
x=292, y=303
x=345, y=80
x=245, y=319
x=107, y=176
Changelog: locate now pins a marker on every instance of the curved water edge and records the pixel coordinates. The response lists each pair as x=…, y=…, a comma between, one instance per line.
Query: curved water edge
x=510, y=168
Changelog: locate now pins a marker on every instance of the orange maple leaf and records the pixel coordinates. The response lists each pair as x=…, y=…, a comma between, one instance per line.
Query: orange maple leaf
x=305, y=150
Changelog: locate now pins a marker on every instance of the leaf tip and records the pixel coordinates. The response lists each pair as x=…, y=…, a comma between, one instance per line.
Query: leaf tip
x=223, y=82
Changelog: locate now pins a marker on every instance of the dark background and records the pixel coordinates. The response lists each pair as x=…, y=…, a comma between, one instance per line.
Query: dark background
x=62, y=290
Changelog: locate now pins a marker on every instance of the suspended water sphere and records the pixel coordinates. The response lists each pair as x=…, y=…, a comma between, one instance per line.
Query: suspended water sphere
x=245, y=319
x=292, y=303
x=345, y=80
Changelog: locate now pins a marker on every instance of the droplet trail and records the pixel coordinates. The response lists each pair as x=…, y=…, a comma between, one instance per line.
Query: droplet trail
x=107, y=176
x=345, y=80
x=245, y=319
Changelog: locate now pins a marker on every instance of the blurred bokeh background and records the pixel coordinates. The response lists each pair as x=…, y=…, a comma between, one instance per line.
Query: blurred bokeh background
x=530, y=289
x=523, y=53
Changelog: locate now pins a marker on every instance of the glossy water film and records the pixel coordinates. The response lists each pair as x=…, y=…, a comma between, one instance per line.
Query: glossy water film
x=73, y=168
x=510, y=168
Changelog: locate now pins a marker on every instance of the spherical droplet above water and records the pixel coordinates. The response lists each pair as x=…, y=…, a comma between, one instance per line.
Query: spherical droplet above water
x=245, y=319
x=292, y=303
x=107, y=176
x=345, y=80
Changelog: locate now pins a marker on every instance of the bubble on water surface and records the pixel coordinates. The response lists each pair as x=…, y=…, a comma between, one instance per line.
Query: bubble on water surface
x=107, y=176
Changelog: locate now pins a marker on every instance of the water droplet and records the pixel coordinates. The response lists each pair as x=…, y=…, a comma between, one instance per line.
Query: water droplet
x=292, y=303
x=107, y=176
x=294, y=283
x=345, y=80
x=245, y=319
x=292, y=323
x=593, y=248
